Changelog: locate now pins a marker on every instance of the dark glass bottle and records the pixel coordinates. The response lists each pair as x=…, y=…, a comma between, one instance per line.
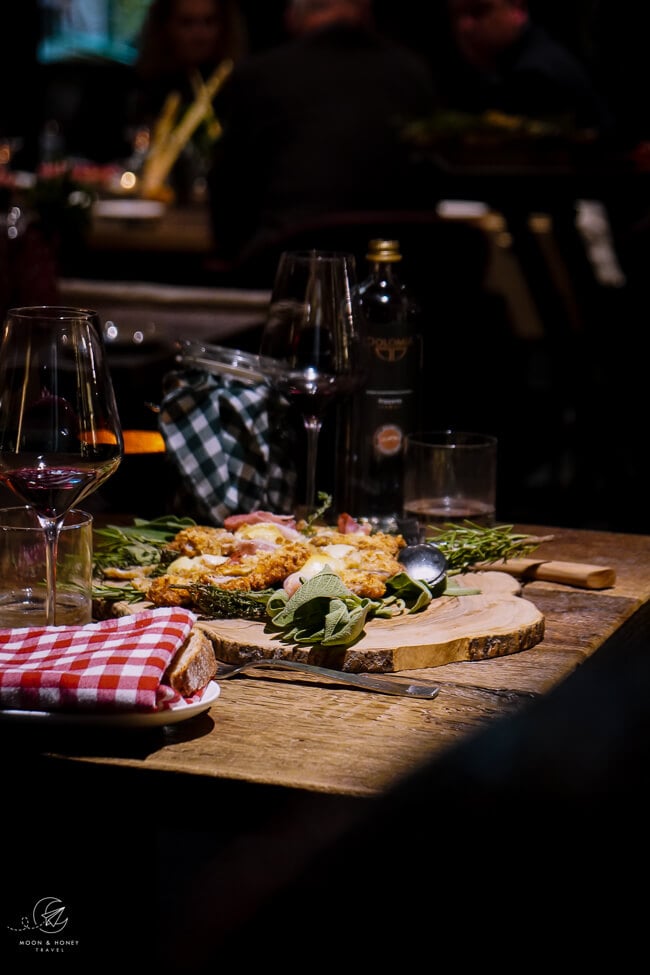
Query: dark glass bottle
x=387, y=407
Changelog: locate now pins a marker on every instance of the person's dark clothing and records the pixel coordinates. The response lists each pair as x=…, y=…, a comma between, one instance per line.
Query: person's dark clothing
x=313, y=127
x=536, y=78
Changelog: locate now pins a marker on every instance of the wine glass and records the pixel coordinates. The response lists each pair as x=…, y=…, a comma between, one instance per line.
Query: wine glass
x=311, y=328
x=60, y=434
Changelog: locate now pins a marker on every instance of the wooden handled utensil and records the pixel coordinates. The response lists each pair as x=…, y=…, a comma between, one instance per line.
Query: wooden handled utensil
x=571, y=573
x=426, y=561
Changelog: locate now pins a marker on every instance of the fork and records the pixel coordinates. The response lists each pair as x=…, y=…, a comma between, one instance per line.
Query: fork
x=398, y=686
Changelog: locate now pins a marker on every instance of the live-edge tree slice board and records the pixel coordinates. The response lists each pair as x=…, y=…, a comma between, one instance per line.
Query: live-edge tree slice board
x=493, y=623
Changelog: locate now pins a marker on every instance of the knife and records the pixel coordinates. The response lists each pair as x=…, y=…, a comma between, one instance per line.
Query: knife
x=570, y=573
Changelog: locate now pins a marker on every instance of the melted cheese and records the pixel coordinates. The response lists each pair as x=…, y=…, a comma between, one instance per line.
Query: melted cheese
x=264, y=530
x=339, y=552
x=316, y=564
x=189, y=566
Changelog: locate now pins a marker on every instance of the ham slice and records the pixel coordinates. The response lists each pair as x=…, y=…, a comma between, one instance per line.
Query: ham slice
x=233, y=522
x=347, y=525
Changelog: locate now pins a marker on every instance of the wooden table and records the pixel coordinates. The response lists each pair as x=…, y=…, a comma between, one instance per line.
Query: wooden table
x=288, y=731
x=278, y=805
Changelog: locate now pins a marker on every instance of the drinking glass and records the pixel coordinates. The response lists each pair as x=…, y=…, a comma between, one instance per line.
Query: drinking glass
x=449, y=476
x=60, y=434
x=311, y=328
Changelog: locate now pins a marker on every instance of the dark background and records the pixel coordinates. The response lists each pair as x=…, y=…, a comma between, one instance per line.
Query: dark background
x=609, y=37
x=577, y=402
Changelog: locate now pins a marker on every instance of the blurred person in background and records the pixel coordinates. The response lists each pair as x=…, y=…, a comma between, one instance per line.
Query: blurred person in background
x=181, y=44
x=312, y=127
x=180, y=38
x=509, y=63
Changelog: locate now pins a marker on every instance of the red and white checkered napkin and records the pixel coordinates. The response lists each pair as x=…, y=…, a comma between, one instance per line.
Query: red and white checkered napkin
x=117, y=664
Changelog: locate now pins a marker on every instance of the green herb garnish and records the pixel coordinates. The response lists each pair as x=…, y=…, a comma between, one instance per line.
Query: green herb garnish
x=322, y=610
x=119, y=594
x=325, y=503
x=139, y=544
x=219, y=603
x=406, y=595
x=467, y=544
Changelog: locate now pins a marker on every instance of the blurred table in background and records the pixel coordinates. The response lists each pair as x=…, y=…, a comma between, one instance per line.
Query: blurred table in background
x=141, y=240
x=143, y=311
x=177, y=228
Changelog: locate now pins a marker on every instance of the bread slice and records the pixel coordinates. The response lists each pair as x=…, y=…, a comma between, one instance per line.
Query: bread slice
x=194, y=664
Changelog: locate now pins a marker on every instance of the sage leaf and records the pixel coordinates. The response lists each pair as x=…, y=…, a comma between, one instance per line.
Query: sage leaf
x=343, y=626
x=323, y=610
x=413, y=593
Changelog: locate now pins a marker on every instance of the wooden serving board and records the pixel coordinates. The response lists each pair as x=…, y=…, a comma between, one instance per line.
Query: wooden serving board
x=452, y=628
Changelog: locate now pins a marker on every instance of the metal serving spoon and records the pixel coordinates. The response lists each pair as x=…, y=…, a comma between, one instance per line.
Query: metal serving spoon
x=425, y=562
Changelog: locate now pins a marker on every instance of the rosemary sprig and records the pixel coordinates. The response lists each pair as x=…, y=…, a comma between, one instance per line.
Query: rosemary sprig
x=114, y=594
x=138, y=544
x=325, y=503
x=215, y=602
x=465, y=545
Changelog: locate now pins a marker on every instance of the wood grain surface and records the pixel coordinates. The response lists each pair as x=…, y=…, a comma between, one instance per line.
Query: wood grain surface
x=291, y=732
x=494, y=622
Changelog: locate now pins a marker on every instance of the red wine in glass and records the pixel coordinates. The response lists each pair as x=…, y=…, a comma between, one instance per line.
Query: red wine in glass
x=53, y=487
x=312, y=331
x=311, y=392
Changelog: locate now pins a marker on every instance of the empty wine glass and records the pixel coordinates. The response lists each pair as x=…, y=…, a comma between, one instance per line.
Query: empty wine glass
x=312, y=329
x=60, y=434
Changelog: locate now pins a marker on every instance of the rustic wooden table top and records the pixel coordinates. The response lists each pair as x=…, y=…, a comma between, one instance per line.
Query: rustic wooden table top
x=292, y=731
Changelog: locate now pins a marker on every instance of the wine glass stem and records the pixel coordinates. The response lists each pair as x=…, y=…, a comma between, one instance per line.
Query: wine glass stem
x=312, y=429
x=51, y=530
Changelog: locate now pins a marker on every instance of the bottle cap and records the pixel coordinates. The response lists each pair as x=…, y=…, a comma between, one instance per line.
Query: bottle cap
x=384, y=250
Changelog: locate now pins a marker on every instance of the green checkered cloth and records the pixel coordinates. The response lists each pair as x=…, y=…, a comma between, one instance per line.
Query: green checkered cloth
x=232, y=443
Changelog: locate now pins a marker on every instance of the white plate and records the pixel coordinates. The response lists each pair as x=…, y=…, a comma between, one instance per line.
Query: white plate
x=118, y=719
x=128, y=209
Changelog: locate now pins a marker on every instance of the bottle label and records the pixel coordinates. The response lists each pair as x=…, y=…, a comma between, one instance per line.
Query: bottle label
x=387, y=440
x=390, y=349
x=387, y=418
